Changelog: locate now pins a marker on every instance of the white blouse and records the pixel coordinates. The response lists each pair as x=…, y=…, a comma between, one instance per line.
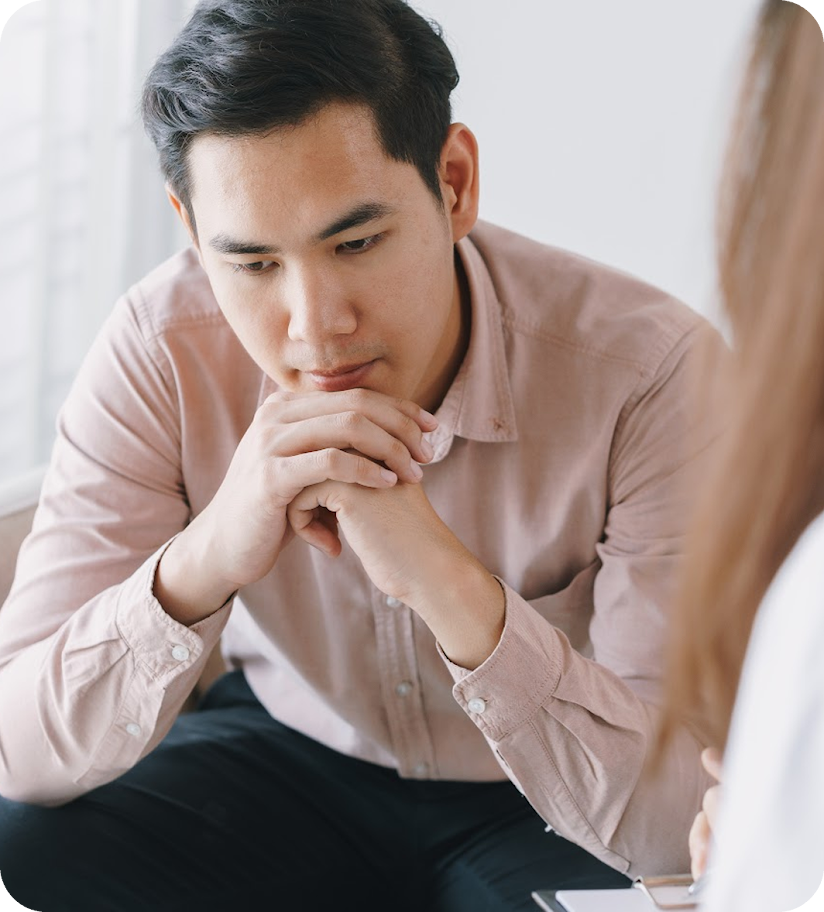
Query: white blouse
x=769, y=850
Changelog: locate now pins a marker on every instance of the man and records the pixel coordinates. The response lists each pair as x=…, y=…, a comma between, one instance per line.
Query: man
x=241, y=456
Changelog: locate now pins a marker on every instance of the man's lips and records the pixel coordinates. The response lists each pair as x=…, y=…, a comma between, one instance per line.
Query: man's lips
x=341, y=378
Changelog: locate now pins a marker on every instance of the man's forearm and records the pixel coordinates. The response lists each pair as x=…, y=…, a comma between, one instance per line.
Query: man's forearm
x=574, y=736
x=61, y=739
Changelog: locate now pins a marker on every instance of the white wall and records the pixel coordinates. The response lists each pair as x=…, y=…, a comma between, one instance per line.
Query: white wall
x=602, y=123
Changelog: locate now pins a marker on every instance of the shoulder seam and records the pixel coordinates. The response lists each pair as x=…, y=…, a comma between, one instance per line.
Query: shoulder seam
x=665, y=343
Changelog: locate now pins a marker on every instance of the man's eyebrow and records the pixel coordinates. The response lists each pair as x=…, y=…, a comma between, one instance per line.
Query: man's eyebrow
x=360, y=215
x=223, y=243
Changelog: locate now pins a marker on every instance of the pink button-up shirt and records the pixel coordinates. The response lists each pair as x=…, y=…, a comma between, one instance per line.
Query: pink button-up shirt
x=560, y=461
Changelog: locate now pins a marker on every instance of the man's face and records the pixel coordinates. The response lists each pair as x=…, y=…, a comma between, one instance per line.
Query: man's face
x=333, y=263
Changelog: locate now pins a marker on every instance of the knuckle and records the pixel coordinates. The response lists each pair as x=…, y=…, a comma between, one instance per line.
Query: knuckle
x=363, y=470
x=327, y=459
x=270, y=444
x=278, y=397
x=271, y=469
x=349, y=421
x=275, y=476
x=407, y=426
x=397, y=450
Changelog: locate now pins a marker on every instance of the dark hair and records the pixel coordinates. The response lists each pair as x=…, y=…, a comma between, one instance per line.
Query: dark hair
x=249, y=66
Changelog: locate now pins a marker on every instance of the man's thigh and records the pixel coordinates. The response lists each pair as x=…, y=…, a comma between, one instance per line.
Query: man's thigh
x=501, y=854
x=231, y=810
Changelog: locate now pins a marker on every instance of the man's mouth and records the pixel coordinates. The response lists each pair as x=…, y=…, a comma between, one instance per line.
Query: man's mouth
x=346, y=377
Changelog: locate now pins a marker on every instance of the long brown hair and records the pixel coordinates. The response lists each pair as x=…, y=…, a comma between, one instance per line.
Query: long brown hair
x=767, y=483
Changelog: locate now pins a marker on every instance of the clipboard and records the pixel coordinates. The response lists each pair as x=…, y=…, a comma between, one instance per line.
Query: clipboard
x=647, y=894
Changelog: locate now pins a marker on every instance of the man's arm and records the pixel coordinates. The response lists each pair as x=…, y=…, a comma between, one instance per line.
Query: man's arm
x=571, y=732
x=92, y=671
x=119, y=597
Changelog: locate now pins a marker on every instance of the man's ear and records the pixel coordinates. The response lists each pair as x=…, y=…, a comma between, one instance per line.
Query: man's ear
x=458, y=173
x=183, y=214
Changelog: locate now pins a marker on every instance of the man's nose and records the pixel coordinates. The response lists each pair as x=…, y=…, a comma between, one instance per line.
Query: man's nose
x=319, y=307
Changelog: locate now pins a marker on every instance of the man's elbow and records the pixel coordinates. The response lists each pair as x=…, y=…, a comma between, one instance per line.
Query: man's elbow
x=27, y=790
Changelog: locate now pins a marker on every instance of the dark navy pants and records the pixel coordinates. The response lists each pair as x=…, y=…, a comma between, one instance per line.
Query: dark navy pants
x=235, y=811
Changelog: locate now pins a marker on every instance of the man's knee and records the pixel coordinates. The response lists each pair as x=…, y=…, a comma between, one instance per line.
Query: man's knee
x=41, y=855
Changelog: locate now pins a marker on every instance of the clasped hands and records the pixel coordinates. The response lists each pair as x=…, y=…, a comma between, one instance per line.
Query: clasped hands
x=318, y=463
x=313, y=463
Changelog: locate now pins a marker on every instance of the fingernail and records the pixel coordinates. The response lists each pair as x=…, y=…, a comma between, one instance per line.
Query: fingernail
x=429, y=418
x=417, y=471
x=389, y=477
x=426, y=449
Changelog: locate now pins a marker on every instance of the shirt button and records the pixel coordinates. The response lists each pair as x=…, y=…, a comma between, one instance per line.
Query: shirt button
x=393, y=602
x=133, y=729
x=421, y=769
x=181, y=653
x=476, y=705
x=404, y=688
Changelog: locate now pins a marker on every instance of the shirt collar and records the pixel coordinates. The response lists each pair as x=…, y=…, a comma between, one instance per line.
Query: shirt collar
x=478, y=404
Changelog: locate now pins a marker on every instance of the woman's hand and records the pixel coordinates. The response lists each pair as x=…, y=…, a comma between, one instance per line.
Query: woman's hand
x=705, y=822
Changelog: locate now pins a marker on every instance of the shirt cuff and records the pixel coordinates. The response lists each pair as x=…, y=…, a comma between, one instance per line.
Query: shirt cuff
x=518, y=678
x=162, y=645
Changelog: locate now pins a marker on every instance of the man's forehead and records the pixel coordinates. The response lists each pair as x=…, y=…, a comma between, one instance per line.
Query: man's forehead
x=336, y=128
x=291, y=166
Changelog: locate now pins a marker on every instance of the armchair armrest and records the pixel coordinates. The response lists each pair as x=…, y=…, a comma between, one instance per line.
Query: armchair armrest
x=18, y=501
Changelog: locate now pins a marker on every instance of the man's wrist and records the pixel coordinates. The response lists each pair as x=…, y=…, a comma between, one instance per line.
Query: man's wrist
x=184, y=583
x=465, y=608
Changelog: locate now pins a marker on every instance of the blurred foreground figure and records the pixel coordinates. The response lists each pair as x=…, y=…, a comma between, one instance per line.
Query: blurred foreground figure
x=755, y=568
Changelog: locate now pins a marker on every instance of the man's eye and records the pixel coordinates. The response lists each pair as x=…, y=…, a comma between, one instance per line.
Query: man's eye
x=253, y=268
x=361, y=244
